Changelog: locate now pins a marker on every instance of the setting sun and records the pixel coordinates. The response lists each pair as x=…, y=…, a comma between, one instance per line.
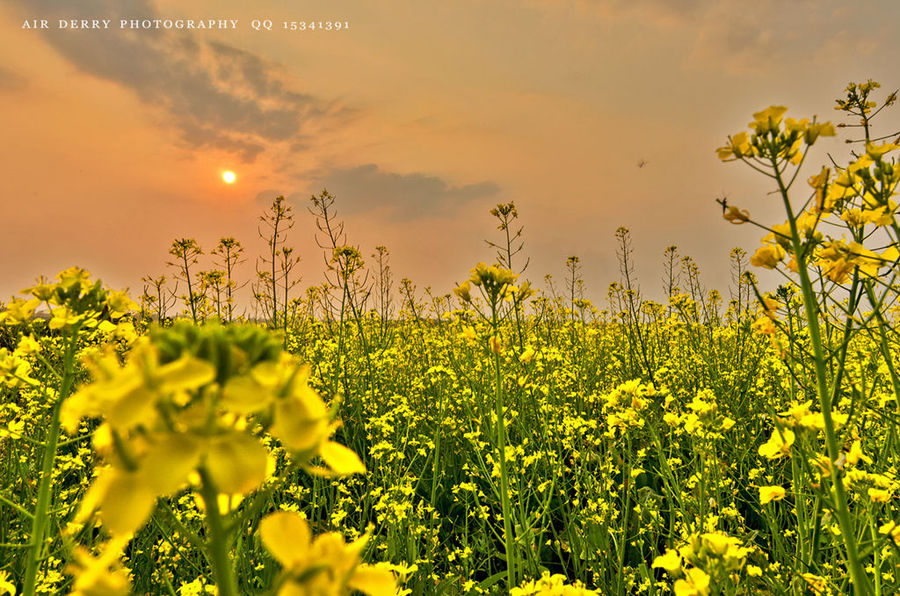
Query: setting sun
x=229, y=177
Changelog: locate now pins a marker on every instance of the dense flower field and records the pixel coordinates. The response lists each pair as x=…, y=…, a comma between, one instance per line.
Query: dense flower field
x=498, y=439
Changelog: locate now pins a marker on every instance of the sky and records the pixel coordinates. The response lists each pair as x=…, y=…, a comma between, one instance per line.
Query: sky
x=419, y=117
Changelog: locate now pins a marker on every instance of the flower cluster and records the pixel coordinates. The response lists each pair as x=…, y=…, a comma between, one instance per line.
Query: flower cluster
x=184, y=402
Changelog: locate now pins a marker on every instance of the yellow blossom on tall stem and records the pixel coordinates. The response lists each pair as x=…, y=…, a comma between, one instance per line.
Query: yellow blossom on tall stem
x=321, y=565
x=778, y=445
x=767, y=494
x=695, y=583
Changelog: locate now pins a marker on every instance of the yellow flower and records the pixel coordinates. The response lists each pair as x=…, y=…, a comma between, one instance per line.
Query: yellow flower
x=739, y=146
x=6, y=586
x=768, y=120
x=868, y=262
x=341, y=460
x=819, y=182
x=493, y=280
x=301, y=418
x=816, y=130
x=74, y=276
x=817, y=584
x=695, y=583
x=551, y=585
x=125, y=501
x=527, y=355
x=838, y=259
x=127, y=396
x=767, y=494
x=876, y=152
x=15, y=370
x=856, y=453
x=671, y=561
x=101, y=575
x=770, y=307
x=323, y=565
x=764, y=325
x=468, y=334
x=768, y=256
x=119, y=303
x=736, y=216
x=19, y=311
x=823, y=464
x=793, y=125
x=778, y=445
x=837, y=270
x=719, y=543
x=64, y=317
x=891, y=529
x=464, y=291
x=880, y=216
x=879, y=495
x=42, y=291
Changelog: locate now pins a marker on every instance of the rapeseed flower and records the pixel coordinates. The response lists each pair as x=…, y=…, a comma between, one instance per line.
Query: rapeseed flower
x=321, y=565
x=767, y=494
x=778, y=445
x=695, y=583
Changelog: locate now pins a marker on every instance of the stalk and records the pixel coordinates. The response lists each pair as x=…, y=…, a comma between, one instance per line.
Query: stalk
x=512, y=563
x=800, y=510
x=41, y=519
x=217, y=546
x=877, y=553
x=810, y=304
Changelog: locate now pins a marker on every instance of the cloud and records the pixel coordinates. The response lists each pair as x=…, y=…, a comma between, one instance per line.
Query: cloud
x=755, y=38
x=11, y=81
x=398, y=197
x=750, y=37
x=657, y=12
x=265, y=197
x=215, y=95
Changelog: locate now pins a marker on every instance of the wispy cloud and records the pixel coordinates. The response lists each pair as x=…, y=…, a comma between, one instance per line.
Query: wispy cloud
x=214, y=94
x=394, y=197
x=401, y=197
x=11, y=81
x=658, y=12
x=752, y=37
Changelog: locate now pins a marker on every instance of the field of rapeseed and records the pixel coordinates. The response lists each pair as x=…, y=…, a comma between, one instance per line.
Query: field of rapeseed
x=498, y=439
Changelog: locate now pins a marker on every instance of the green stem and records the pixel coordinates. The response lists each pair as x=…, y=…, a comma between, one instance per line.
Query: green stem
x=810, y=303
x=626, y=509
x=41, y=520
x=511, y=555
x=884, y=344
x=877, y=551
x=217, y=545
x=800, y=511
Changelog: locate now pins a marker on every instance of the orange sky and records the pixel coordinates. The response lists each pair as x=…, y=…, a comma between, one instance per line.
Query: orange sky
x=419, y=118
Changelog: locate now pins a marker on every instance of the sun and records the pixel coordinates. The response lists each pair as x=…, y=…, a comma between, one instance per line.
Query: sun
x=229, y=177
